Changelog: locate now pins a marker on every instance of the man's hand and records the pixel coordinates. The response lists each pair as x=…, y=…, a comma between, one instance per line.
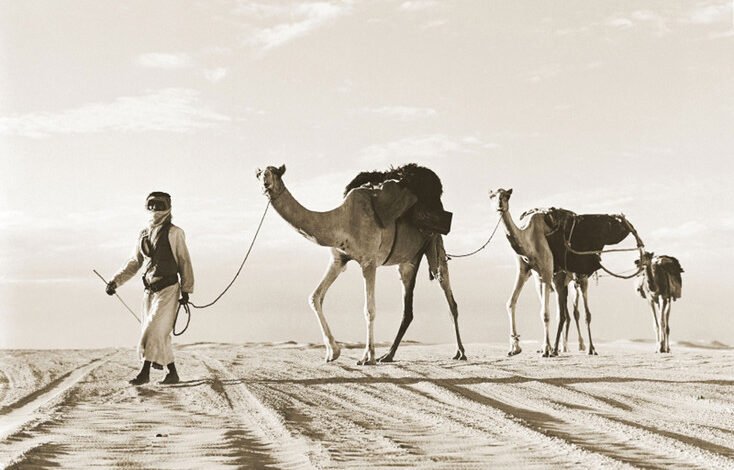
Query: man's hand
x=184, y=298
x=111, y=287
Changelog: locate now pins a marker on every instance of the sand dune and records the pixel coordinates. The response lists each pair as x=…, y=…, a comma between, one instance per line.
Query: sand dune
x=278, y=406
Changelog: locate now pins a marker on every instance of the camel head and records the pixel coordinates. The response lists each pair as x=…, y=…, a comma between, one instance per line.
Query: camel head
x=501, y=198
x=645, y=259
x=271, y=180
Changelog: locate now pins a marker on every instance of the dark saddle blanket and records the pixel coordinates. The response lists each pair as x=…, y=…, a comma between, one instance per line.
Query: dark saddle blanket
x=583, y=233
x=427, y=213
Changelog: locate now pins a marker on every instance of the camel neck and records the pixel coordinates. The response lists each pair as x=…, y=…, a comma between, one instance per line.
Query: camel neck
x=512, y=231
x=315, y=226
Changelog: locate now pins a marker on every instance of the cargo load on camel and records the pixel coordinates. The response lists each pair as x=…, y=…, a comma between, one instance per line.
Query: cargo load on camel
x=428, y=213
x=581, y=233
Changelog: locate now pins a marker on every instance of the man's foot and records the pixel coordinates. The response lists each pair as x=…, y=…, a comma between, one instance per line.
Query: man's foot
x=140, y=380
x=171, y=378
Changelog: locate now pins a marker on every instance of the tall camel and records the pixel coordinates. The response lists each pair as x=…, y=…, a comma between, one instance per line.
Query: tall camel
x=660, y=283
x=533, y=256
x=576, y=241
x=367, y=228
x=542, y=246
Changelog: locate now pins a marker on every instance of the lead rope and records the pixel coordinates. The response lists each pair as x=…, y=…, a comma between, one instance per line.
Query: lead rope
x=620, y=276
x=242, y=265
x=598, y=253
x=448, y=256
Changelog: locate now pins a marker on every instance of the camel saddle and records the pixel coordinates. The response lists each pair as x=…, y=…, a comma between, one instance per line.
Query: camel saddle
x=585, y=232
x=437, y=221
x=392, y=201
x=426, y=214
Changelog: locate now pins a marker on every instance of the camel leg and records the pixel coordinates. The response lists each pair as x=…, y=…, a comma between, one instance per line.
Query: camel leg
x=653, y=306
x=544, y=290
x=523, y=272
x=667, y=326
x=336, y=267
x=664, y=326
x=576, y=315
x=369, y=272
x=408, y=273
x=560, y=281
x=444, y=281
x=584, y=286
x=566, y=326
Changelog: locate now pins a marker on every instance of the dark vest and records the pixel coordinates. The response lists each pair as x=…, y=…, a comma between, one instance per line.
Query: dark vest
x=162, y=270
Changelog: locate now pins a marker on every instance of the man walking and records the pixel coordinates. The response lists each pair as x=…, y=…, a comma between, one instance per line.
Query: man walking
x=161, y=250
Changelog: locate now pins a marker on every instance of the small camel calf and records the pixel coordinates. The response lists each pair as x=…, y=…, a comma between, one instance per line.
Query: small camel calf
x=660, y=283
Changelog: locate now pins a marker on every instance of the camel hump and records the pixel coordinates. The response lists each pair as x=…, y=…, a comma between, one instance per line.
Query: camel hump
x=390, y=201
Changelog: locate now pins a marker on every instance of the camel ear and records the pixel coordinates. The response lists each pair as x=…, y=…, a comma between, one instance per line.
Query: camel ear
x=258, y=172
x=509, y=192
x=392, y=201
x=280, y=170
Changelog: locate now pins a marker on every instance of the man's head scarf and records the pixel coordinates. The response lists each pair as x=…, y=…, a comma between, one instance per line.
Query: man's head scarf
x=158, y=218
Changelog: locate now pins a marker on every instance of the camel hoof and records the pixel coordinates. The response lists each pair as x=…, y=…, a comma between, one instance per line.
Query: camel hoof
x=582, y=347
x=333, y=353
x=366, y=362
x=592, y=352
x=459, y=356
x=554, y=353
x=514, y=352
x=386, y=358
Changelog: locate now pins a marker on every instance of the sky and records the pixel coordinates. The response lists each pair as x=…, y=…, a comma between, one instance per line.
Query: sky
x=594, y=106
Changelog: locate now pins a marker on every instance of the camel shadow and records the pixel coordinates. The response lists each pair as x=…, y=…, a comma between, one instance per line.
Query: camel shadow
x=445, y=382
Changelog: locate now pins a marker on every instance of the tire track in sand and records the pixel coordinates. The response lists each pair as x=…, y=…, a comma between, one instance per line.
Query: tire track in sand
x=15, y=416
x=30, y=411
x=255, y=419
x=592, y=431
x=113, y=425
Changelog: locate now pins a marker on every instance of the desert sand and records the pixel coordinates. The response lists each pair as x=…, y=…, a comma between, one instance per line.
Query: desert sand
x=280, y=406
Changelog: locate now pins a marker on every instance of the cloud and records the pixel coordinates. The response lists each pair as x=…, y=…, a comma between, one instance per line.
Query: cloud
x=434, y=24
x=544, y=73
x=170, y=109
x=51, y=280
x=215, y=75
x=689, y=229
x=290, y=21
x=422, y=148
x=418, y=5
x=621, y=23
x=711, y=13
x=402, y=113
x=165, y=61
x=642, y=18
x=722, y=34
